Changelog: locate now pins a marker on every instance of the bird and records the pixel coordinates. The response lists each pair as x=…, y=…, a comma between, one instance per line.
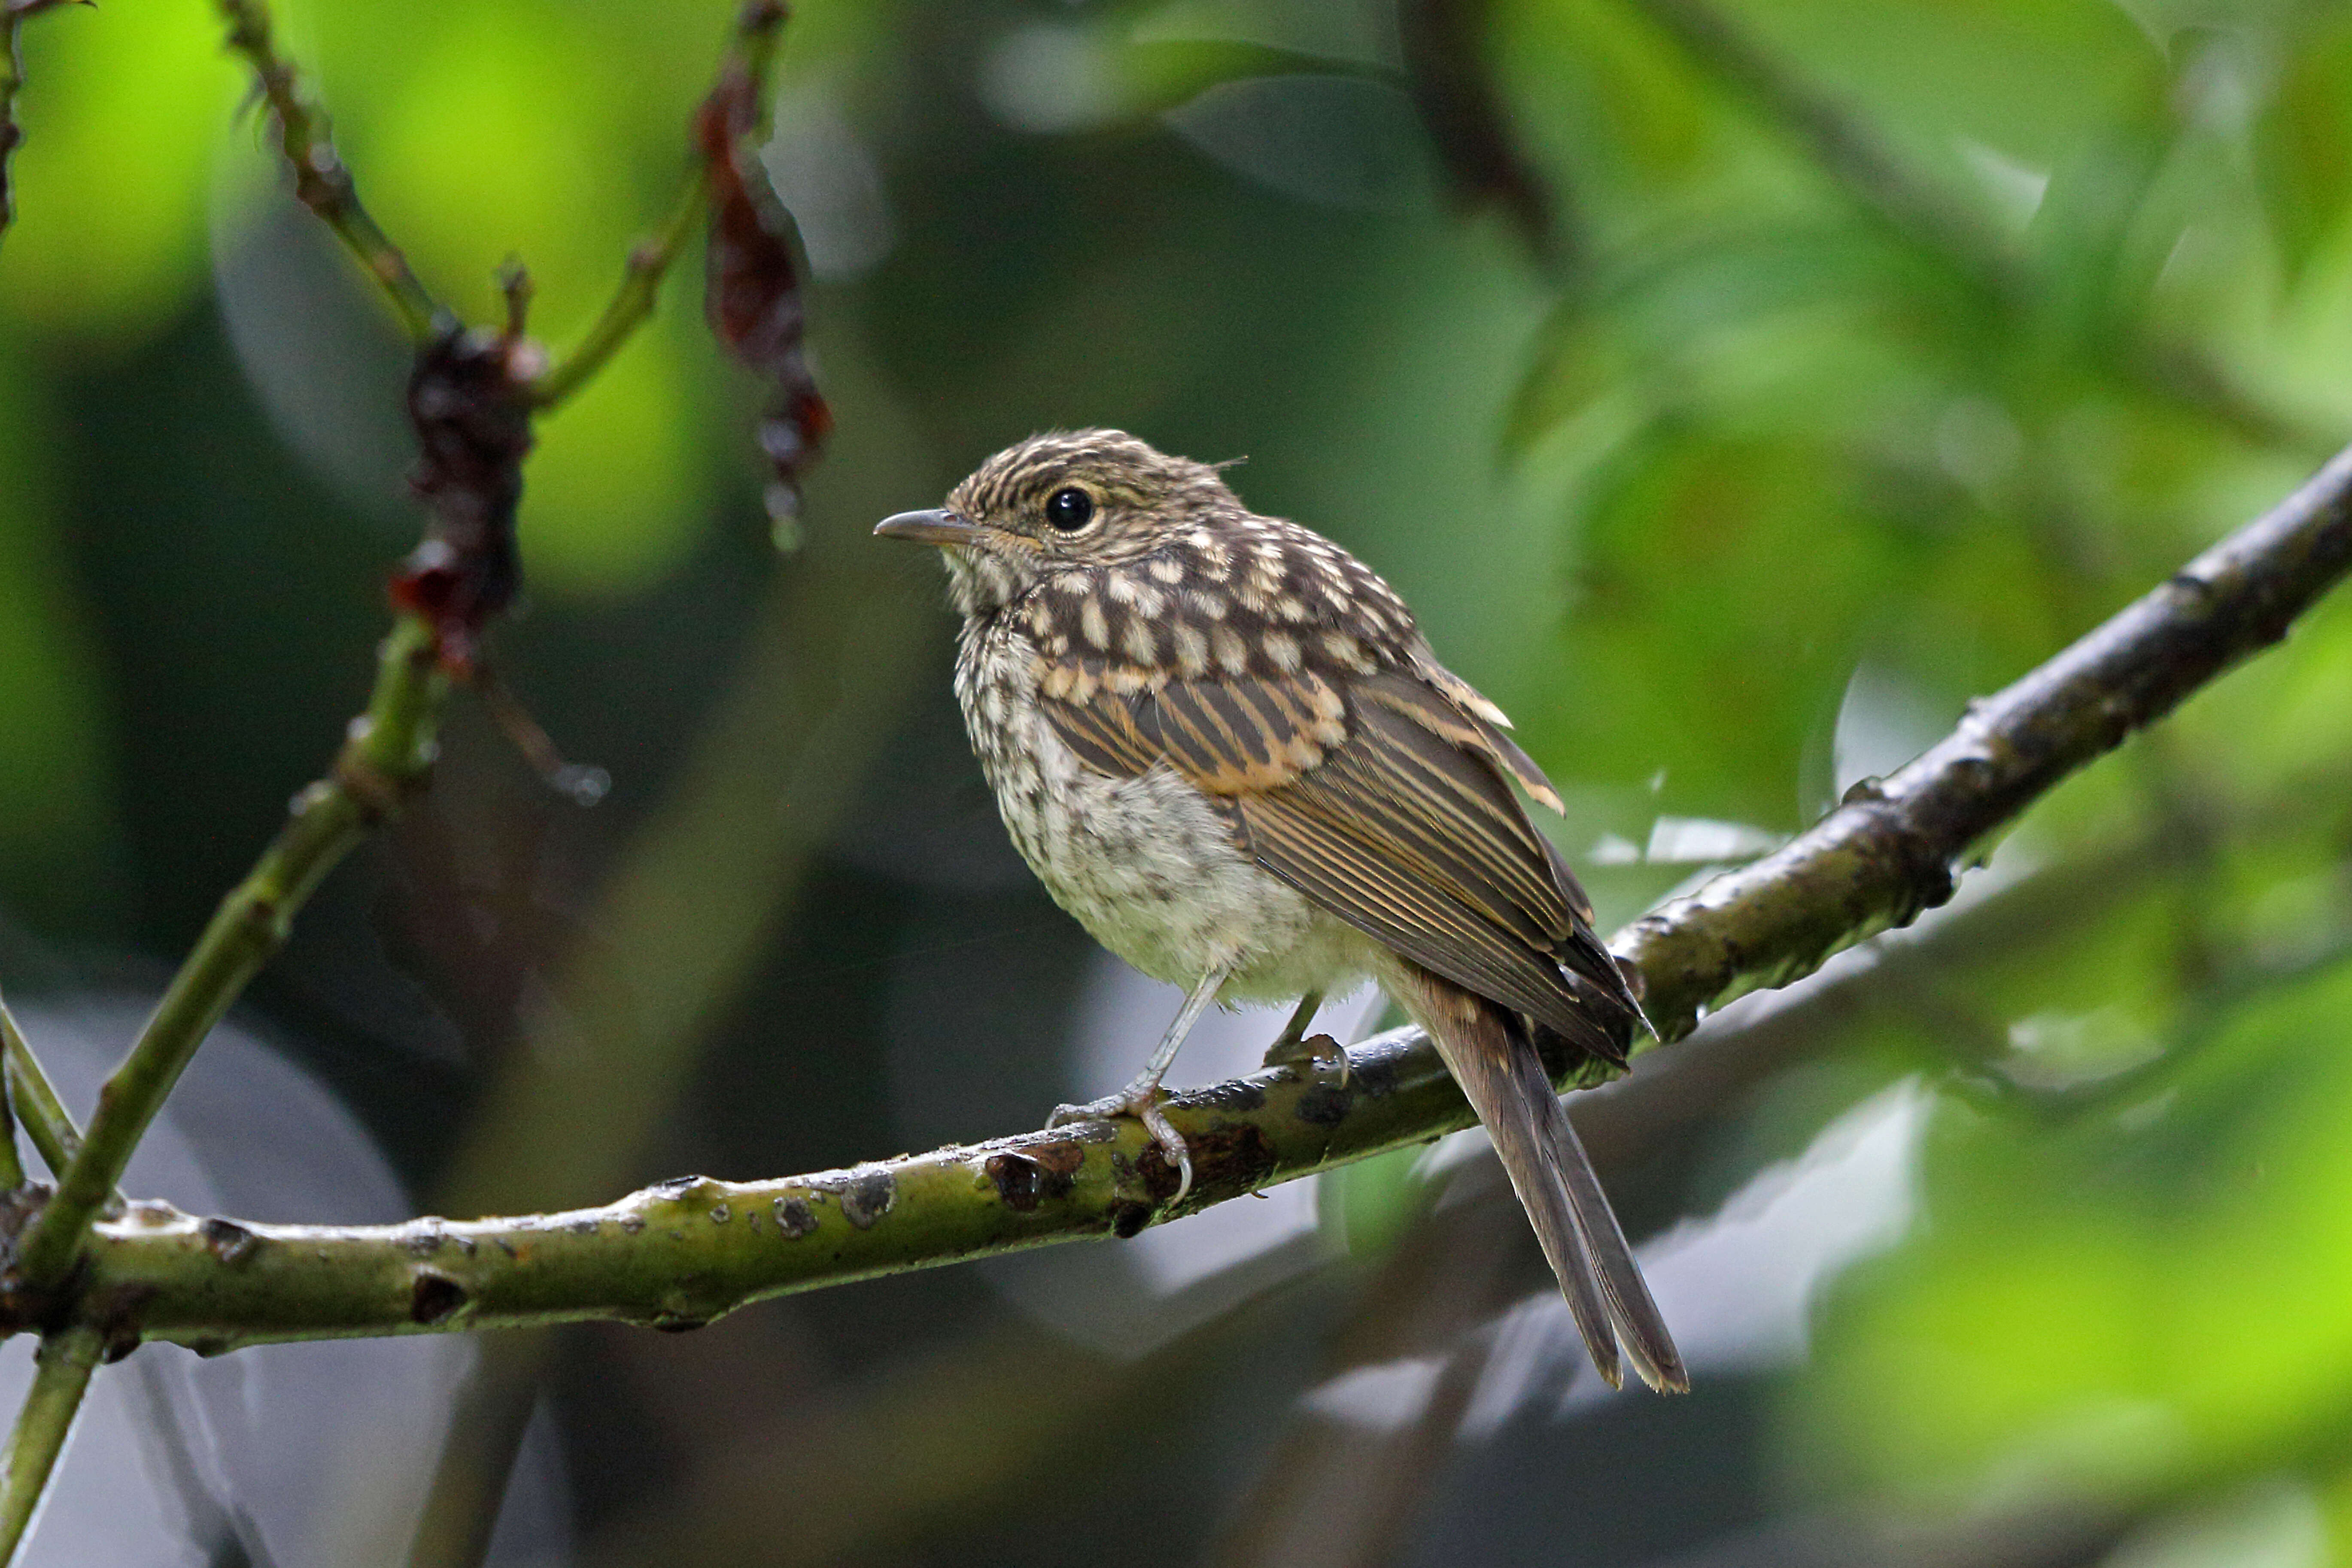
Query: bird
x=1224, y=745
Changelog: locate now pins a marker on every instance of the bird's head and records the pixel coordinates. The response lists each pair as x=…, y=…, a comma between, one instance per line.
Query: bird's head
x=1068, y=499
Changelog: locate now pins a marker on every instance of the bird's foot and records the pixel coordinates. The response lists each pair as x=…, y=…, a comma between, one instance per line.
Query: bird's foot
x=1139, y=1100
x=1321, y=1050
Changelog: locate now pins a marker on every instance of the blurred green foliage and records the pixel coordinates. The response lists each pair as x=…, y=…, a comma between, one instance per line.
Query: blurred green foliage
x=1890, y=346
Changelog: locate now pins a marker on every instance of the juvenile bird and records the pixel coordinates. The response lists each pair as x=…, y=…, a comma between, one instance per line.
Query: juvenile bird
x=1220, y=741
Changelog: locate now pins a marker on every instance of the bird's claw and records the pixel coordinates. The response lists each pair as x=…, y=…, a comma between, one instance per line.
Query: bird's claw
x=1322, y=1051
x=1142, y=1102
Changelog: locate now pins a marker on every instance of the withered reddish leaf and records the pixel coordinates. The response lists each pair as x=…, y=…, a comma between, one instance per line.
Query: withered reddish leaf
x=753, y=288
x=473, y=430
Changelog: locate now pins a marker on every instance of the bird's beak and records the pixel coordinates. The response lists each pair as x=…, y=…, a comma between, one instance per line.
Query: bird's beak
x=927, y=528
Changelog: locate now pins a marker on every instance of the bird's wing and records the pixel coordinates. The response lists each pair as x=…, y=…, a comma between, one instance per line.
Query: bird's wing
x=1382, y=798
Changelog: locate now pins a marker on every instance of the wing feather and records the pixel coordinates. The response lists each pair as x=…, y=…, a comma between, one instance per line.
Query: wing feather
x=1384, y=799
x=1426, y=924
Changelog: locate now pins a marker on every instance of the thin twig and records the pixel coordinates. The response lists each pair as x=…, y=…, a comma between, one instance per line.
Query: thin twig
x=60, y=1375
x=11, y=1162
x=631, y=305
x=682, y=1253
x=751, y=48
x=320, y=180
x=389, y=750
x=47, y=1121
x=12, y=80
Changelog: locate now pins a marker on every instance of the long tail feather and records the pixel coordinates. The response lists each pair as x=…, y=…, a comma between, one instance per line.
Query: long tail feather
x=1499, y=1071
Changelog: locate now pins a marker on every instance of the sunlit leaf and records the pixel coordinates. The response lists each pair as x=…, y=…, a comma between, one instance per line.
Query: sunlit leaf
x=122, y=109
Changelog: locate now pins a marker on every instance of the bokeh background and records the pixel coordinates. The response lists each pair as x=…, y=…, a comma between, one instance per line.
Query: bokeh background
x=1734, y=392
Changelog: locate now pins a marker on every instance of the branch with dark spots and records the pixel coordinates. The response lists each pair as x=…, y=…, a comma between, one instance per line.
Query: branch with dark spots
x=322, y=183
x=1469, y=125
x=1895, y=848
x=470, y=399
x=691, y=1250
x=390, y=747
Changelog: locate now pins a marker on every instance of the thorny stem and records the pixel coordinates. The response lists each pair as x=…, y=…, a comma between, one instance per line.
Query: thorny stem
x=753, y=51
x=684, y=1252
x=390, y=751
x=47, y=1121
x=60, y=1374
x=631, y=305
x=320, y=180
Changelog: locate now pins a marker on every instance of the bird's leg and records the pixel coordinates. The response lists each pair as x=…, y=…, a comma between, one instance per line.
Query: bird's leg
x=1295, y=1045
x=1140, y=1098
x=1286, y=1045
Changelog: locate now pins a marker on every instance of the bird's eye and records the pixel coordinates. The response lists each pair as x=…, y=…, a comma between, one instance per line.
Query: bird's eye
x=1070, y=509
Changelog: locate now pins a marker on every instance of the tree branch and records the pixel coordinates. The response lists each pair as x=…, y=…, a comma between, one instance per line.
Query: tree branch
x=1891, y=849
x=682, y=1253
x=47, y=1121
x=60, y=1375
x=471, y=416
x=471, y=408
x=390, y=751
x=750, y=52
x=320, y=180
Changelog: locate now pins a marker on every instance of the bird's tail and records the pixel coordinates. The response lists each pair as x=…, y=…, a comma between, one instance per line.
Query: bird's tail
x=1488, y=1049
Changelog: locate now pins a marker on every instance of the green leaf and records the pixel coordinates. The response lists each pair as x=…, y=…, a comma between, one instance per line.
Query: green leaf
x=122, y=109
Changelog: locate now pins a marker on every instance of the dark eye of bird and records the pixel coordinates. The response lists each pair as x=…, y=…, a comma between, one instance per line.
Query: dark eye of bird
x=1070, y=509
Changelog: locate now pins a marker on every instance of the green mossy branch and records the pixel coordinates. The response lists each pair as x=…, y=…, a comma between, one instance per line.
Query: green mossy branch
x=46, y=1120
x=389, y=752
x=61, y=1372
x=471, y=425
x=322, y=183
x=682, y=1253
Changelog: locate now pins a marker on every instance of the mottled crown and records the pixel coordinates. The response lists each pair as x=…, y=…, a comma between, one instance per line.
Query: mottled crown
x=1171, y=577
x=1123, y=475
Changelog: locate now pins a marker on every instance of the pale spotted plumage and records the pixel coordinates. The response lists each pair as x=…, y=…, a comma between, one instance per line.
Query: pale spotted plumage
x=1147, y=865
x=1224, y=745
